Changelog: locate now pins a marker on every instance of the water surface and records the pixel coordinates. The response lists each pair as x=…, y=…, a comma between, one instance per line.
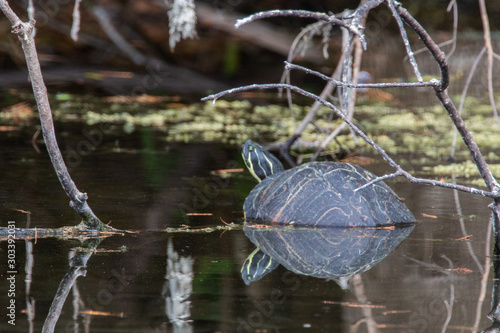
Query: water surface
x=439, y=279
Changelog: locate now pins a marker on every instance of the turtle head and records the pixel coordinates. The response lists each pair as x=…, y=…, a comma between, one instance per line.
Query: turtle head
x=256, y=266
x=259, y=161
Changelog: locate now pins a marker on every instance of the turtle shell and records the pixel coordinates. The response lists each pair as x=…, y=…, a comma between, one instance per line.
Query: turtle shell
x=323, y=194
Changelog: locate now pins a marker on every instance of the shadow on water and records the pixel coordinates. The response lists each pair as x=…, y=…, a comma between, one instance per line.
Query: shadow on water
x=440, y=278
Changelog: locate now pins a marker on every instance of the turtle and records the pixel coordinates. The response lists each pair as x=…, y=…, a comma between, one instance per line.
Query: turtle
x=314, y=194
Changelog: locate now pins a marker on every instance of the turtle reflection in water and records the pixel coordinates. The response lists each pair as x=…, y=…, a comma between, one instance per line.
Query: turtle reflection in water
x=327, y=253
x=316, y=194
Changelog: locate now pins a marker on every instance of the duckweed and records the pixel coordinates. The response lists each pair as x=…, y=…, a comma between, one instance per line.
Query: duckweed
x=466, y=169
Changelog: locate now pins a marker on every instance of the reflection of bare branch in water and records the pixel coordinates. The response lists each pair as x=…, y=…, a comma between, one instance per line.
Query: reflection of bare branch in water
x=177, y=289
x=79, y=307
x=485, y=275
x=28, y=268
x=464, y=94
x=449, y=304
x=485, y=271
x=359, y=291
x=458, y=207
x=78, y=200
x=77, y=263
x=450, y=273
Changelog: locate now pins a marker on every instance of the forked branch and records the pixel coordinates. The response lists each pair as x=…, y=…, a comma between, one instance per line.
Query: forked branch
x=440, y=87
x=442, y=94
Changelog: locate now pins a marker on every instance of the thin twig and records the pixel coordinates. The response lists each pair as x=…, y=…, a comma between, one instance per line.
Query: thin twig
x=347, y=107
x=362, y=11
x=325, y=93
x=75, y=27
x=485, y=276
x=458, y=207
x=406, y=41
x=442, y=94
x=105, y=21
x=355, y=29
x=347, y=41
x=449, y=304
x=453, y=41
x=464, y=95
x=31, y=14
x=347, y=45
x=378, y=179
x=453, y=4
x=430, y=83
x=307, y=32
x=436, y=52
x=489, y=47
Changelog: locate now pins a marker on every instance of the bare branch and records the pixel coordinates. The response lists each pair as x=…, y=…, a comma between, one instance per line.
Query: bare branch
x=31, y=13
x=442, y=94
x=436, y=52
x=358, y=19
x=464, y=94
x=363, y=10
x=347, y=41
x=298, y=46
x=406, y=41
x=333, y=134
x=431, y=83
x=327, y=91
x=75, y=28
x=351, y=67
x=379, y=179
x=294, y=13
x=9, y=13
x=78, y=200
x=453, y=4
x=489, y=47
x=104, y=20
x=353, y=28
x=453, y=40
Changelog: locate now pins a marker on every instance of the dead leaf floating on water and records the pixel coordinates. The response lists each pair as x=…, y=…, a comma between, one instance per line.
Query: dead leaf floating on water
x=356, y=305
x=388, y=312
x=225, y=171
x=459, y=270
x=101, y=313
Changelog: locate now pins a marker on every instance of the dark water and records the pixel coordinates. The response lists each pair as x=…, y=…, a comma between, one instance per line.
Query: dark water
x=438, y=280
